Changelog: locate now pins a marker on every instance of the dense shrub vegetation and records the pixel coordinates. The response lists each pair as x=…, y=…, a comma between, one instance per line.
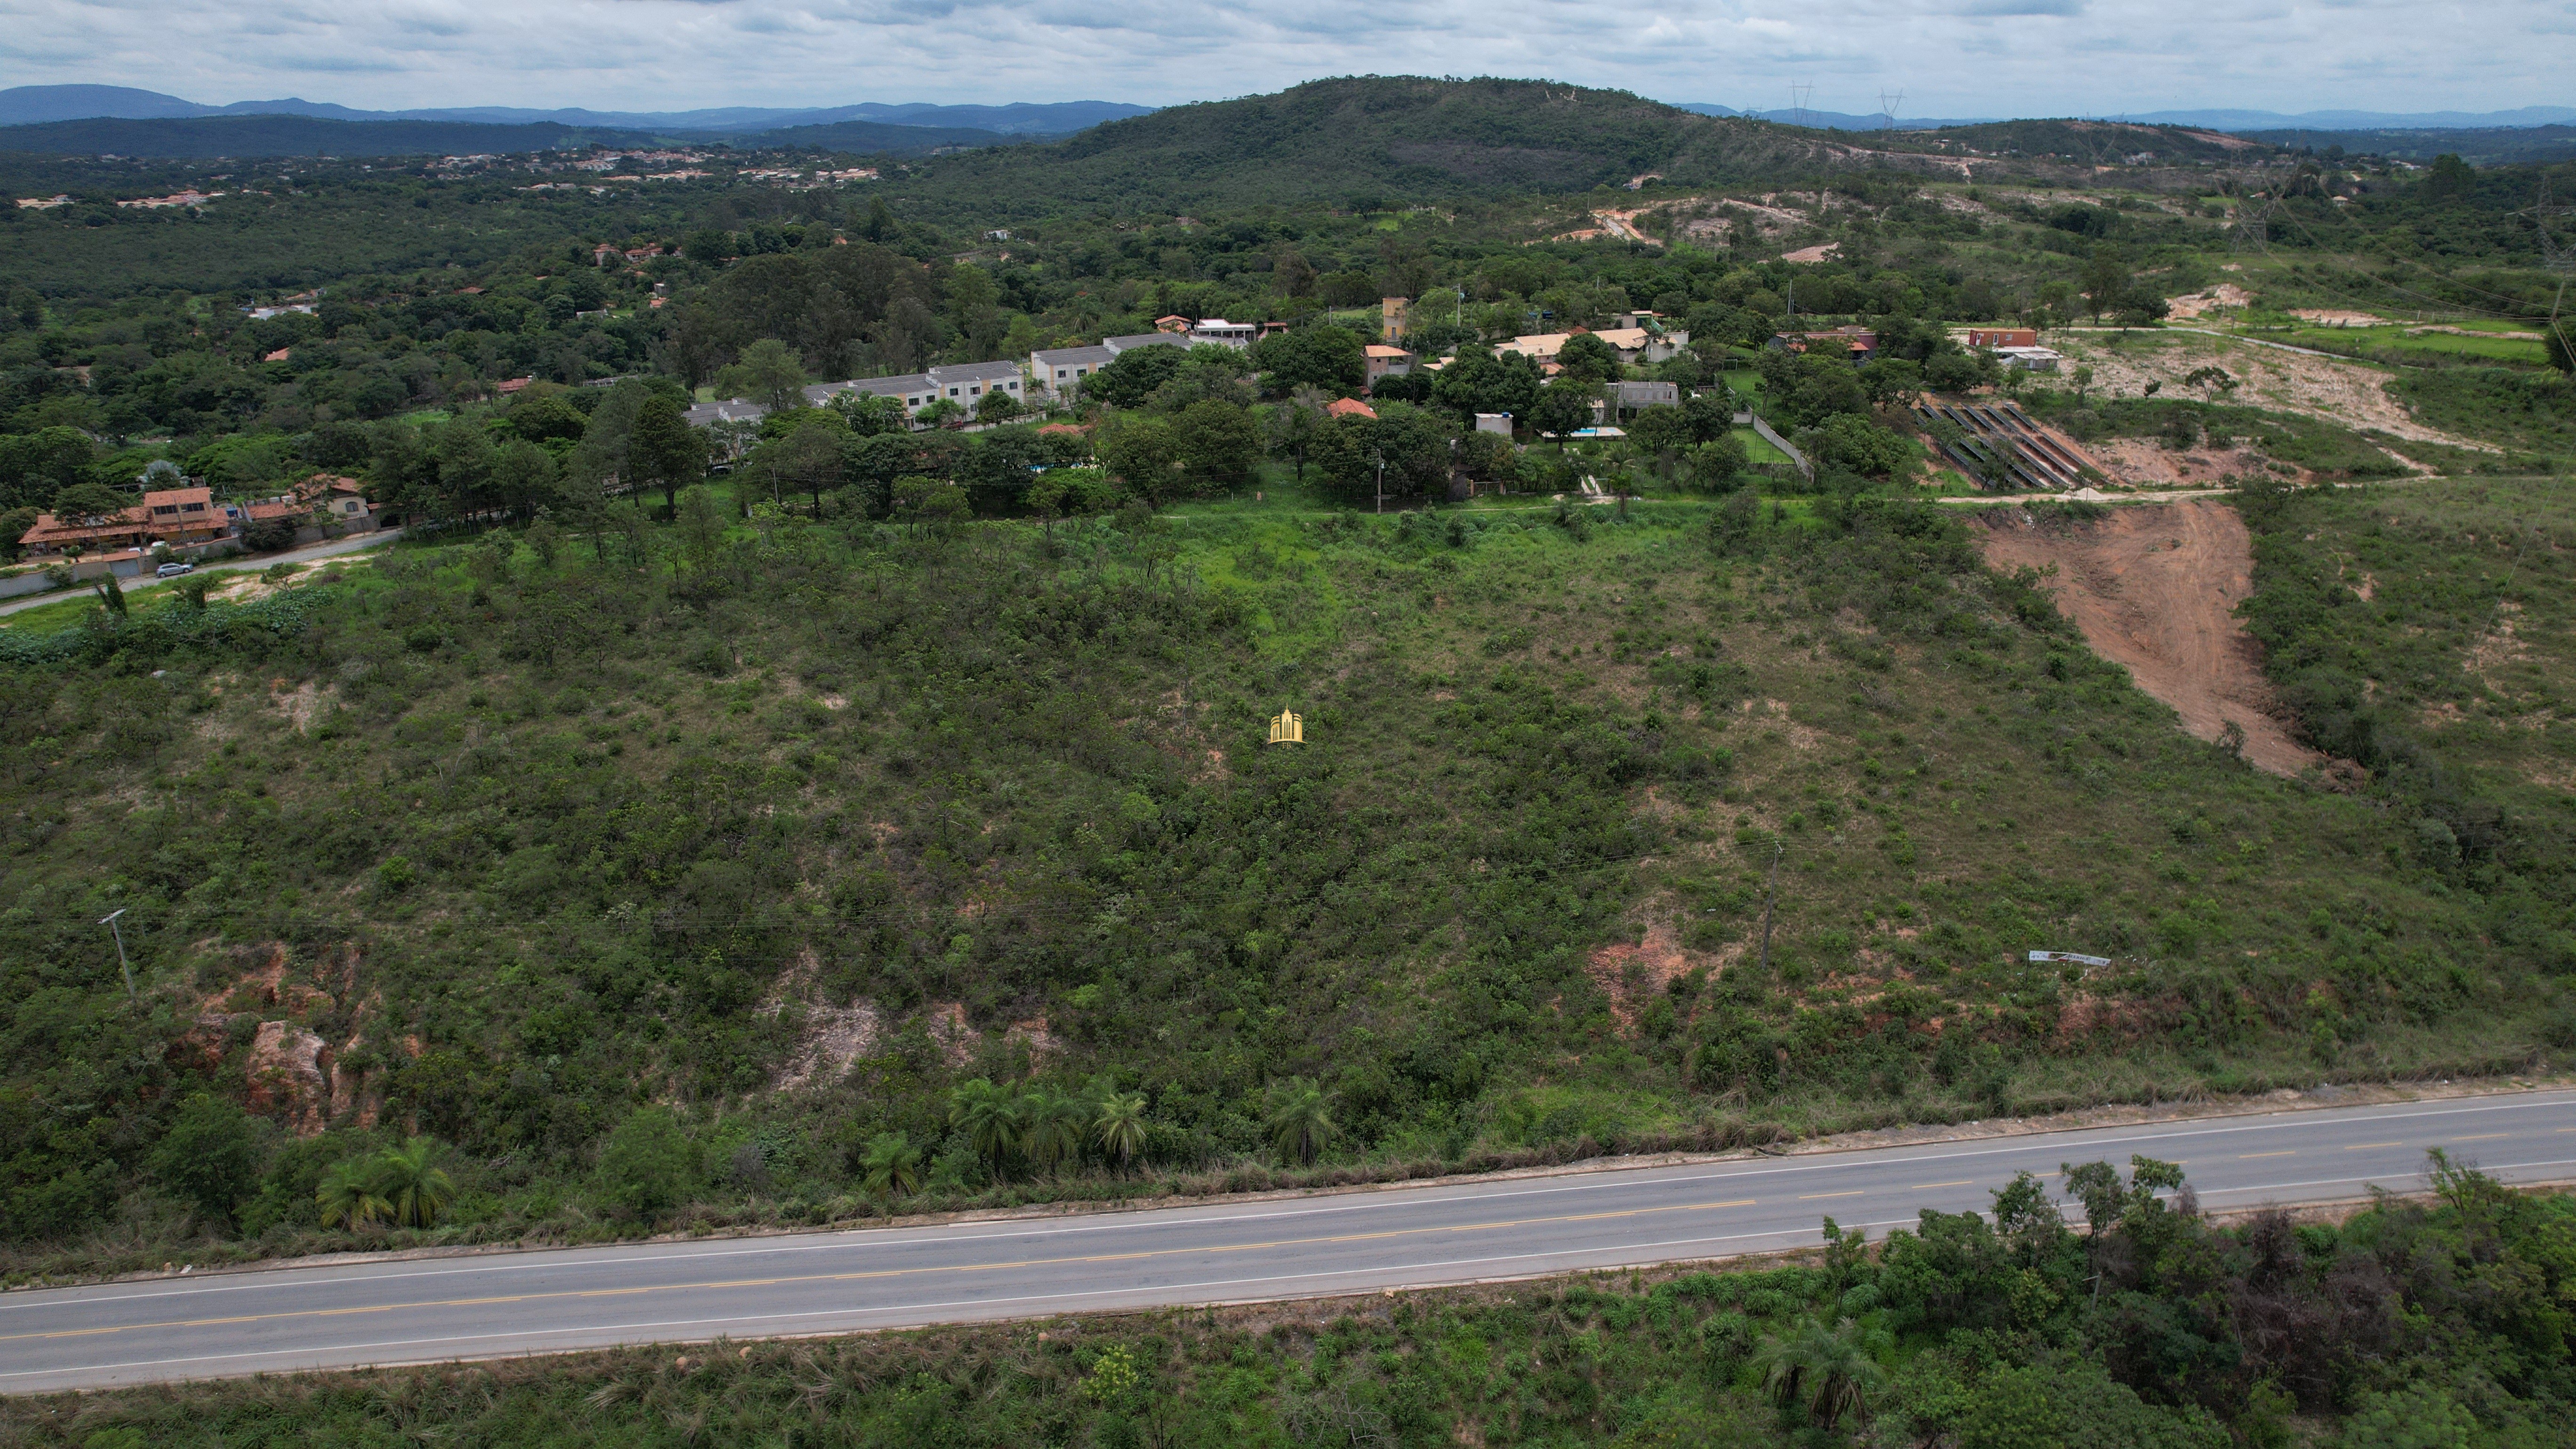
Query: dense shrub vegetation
x=806, y=830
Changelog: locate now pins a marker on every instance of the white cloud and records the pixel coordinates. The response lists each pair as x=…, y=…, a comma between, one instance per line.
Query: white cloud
x=1951, y=57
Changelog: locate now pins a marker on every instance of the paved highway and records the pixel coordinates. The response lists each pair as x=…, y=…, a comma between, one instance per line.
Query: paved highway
x=487, y=1306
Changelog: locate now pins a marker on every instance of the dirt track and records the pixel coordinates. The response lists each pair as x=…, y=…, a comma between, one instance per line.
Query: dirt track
x=2154, y=589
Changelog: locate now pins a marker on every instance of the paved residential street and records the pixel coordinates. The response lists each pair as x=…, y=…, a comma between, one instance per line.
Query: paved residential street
x=310, y=553
x=486, y=1306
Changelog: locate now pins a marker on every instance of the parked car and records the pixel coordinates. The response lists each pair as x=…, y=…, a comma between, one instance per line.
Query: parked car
x=173, y=570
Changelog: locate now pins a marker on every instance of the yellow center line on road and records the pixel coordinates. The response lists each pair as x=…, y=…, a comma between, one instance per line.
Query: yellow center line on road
x=1928, y=1186
x=2483, y=1137
x=2288, y=1152
x=2366, y=1146
x=880, y=1273
x=1812, y=1196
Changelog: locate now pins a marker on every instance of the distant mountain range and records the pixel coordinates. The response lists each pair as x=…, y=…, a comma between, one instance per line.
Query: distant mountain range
x=181, y=138
x=38, y=105
x=2268, y=121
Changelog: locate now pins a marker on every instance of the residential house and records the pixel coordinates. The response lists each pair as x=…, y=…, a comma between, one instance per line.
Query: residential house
x=2029, y=359
x=2001, y=337
x=1217, y=329
x=730, y=410
x=1385, y=361
x=1145, y=339
x=1540, y=345
x=180, y=517
x=1348, y=407
x=1644, y=346
x=1860, y=344
x=1395, y=317
x=1635, y=396
x=322, y=506
x=1059, y=371
x=964, y=383
x=1174, y=323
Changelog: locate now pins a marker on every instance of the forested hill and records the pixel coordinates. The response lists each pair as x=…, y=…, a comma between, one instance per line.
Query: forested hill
x=1360, y=140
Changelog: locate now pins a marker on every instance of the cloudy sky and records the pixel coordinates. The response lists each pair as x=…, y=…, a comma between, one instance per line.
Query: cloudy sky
x=1949, y=57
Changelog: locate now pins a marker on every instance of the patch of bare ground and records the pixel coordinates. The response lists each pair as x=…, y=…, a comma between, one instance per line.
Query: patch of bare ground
x=2155, y=588
x=2337, y=391
x=1631, y=972
x=302, y=705
x=1770, y=710
x=2195, y=305
x=289, y=1071
x=2145, y=464
x=2497, y=647
x=829, y=1037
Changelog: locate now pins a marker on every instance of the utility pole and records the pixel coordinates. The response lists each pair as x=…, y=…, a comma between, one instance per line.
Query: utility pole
x=119, y=932
x=1381, y=480
x=1770, y=893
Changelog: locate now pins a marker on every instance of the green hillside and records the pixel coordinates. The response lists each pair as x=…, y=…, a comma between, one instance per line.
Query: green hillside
x=795, y=832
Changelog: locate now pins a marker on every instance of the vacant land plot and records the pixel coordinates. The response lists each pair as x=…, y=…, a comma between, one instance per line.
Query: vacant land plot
x=2351, y=393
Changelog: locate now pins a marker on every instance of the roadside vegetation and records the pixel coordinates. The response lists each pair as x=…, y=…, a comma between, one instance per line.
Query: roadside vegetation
x=2406, y=1324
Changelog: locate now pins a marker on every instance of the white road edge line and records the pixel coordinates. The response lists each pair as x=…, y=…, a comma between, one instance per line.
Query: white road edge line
x=290, y=1277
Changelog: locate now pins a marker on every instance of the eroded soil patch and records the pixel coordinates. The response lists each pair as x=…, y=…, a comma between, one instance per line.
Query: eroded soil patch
x=2154, y=588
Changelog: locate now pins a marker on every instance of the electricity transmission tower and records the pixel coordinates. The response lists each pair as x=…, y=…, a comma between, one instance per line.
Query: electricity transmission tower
x=1887, y=109
x=1798, y=93
x=2555, y=253
x=2251, y=231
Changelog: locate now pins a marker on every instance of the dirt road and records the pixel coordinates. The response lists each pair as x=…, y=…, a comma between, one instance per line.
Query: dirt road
x=2154, y=589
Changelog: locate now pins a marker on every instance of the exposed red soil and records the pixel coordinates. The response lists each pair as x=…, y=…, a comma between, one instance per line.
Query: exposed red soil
x=2154, y=588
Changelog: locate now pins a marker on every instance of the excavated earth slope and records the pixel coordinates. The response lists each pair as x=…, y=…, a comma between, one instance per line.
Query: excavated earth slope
x=2155, y=588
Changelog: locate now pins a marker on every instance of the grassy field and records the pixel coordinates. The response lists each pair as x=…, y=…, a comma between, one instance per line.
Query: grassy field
x=2397, y=342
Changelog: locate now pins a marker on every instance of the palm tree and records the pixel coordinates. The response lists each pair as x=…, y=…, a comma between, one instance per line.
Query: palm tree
x=989, y=1115
x=893, y=1165
x=410, y=1181
x=1828, y=1369
x=1118, y=1125
x=1051, y=1127
x=1301, y=1121
x=347, y=1196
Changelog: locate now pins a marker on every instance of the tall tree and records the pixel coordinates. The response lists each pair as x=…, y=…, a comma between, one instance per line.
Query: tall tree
x=989, y=1117
x=414, y=1187
x=768, y=373
x=665, y=452
x=1300, y=1119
